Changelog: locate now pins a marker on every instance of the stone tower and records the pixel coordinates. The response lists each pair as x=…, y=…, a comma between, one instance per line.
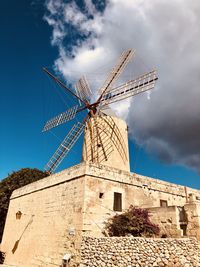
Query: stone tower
x=106, y=141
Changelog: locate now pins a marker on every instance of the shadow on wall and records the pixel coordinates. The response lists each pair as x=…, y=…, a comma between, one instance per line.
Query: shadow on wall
x=2, y=257
x=17, y=242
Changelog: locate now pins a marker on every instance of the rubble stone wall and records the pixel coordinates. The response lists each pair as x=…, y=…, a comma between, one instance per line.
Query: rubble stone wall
x=139, y=252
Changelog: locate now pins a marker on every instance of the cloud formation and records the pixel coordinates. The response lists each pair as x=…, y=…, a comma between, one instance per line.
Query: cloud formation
x=165, y=35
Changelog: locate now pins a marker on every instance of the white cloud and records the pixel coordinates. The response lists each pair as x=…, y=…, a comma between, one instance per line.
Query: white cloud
x=165, y=35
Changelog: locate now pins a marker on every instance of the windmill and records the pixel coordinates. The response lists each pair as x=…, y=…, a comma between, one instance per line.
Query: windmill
x=102, y=129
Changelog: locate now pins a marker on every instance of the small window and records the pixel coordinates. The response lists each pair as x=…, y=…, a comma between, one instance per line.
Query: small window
x=163, y=203
x=101, y=195
x=117, y=206
x=18, y=215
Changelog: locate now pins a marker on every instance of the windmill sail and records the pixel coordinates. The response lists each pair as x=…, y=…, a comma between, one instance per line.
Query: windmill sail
x=104, y=137
x=65, y=147
x=61, y=84
x=61, y=118
x=117, y=70
x=143, y=83
x=83, y=90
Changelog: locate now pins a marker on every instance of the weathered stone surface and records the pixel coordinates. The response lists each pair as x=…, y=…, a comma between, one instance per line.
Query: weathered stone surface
x=51, y=221
x=58, y=210
x=108, y=145
x=138, y=252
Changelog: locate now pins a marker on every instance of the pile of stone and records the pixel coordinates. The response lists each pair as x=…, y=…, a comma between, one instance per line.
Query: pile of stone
x=139, y=252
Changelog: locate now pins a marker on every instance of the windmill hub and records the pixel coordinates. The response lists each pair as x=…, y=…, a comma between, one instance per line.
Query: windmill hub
x=93, y=108
x=105, y=136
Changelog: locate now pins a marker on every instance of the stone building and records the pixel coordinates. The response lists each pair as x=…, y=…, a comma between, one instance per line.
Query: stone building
x=48, y=218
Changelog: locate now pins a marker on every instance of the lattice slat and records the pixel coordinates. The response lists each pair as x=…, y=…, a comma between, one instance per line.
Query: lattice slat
x=61, y=118
x=83, y=90
x=65, y=146
x=143, y=83
x=117, y=70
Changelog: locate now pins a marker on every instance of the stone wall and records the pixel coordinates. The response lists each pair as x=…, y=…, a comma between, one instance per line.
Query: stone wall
x=139, y=252
x=147, y=184
x=50, y=223
x=168, y=220
x=192, y=210
x=177, y=221
x=101, y=182
x=55, y=212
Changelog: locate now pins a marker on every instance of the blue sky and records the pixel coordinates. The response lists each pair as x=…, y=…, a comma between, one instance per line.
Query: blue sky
x=29, y=98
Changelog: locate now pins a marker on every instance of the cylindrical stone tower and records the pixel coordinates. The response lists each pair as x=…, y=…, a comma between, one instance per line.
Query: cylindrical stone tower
x=106, y=142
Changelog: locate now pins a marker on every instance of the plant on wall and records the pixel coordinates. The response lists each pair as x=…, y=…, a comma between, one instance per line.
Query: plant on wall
x=134, y=221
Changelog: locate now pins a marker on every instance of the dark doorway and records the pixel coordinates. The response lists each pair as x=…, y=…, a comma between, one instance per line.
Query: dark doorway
x=184, y=228
x=117, y=205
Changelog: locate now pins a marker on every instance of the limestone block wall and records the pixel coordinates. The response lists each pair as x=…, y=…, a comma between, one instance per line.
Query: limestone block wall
x=101, y=182
x=51, y=220
x=139, y=252
x=143, y=182
x=168, y=220
x=48, y=218
x=193, y=217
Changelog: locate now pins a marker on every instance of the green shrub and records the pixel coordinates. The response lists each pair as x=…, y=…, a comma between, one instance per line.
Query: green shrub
x=14, y=181
x=134, y=221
